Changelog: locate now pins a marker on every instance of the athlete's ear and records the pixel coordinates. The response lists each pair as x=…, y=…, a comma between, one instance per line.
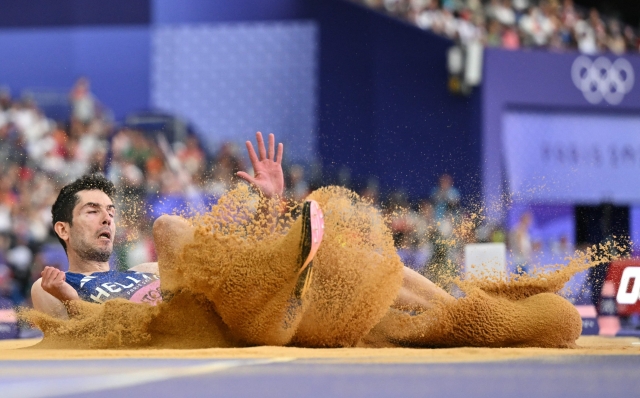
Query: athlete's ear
x=62, y=229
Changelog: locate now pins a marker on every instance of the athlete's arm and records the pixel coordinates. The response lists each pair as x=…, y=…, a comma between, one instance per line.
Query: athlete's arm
x=44, y=302
x=50, y=292
x=267, y=167
x=149, y=268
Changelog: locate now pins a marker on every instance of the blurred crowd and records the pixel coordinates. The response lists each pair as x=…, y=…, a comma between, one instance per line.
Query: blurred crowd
x=154, y=176
x=431, y=234
x=512, y=24
x=40, y=155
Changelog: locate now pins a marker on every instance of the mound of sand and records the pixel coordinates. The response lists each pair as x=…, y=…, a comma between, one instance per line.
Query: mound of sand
x=232, y=285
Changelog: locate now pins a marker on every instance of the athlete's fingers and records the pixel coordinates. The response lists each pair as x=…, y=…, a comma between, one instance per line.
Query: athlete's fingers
x=59, y=277
x=46, y=274
x=272, y=141
x=261, y=149
x=246, y=177
x=47, y=281
x=252, y=154
x=53, y=274
x=279, y=154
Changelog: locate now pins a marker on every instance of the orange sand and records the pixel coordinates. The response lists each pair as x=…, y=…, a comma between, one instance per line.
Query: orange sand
x=233, y=283
x=587, y=345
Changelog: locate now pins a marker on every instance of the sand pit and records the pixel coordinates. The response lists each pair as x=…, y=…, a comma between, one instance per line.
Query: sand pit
x=587, y=345
x=232, y=287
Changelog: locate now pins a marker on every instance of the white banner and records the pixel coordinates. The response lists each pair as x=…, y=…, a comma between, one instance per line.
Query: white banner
x=585, y=158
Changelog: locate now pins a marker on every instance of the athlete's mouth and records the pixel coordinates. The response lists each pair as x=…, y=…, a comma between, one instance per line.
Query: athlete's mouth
x=105, y=234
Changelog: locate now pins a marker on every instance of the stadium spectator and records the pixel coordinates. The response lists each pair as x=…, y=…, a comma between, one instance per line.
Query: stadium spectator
x=616, y=42
x=513, y=24
x=445, y=197
x=520, y=243
x=537, y=28
x=585, y=37
x=371, y=191
x=83, y=105
x=631, y=39
x=501, y=11
x=225, y=164
x=191, y=156
x=6, y=275
x=298, y=186
x=494, y=34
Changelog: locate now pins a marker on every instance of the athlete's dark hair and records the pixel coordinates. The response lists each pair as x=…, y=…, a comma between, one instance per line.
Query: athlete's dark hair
x=62, y=209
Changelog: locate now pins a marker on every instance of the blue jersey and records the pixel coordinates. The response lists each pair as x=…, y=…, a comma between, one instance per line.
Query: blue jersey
x=99, y=287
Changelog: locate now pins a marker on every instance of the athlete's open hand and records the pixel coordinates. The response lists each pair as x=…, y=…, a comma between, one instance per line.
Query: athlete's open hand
x=267, y=168
x=54, y=283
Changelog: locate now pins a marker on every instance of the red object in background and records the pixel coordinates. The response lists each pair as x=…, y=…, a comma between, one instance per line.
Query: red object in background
x=25, y=173
x=614, y=275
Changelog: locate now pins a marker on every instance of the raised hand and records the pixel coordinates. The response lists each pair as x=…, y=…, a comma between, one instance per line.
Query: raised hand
x=54, y=283
x=269, y=177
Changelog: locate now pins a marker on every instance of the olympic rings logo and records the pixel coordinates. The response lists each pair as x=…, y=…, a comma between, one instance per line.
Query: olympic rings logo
x=602, y=79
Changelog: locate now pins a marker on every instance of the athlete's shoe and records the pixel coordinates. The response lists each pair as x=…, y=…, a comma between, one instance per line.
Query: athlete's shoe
x=312, y=233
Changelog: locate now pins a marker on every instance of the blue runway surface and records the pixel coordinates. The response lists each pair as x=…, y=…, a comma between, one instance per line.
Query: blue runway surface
x=579, y=376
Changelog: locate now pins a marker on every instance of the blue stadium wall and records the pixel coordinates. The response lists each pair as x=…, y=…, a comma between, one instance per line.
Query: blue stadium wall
x=385, y=109
x=382, y=106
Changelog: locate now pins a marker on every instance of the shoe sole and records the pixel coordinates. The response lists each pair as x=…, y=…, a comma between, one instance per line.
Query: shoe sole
x=312, y=234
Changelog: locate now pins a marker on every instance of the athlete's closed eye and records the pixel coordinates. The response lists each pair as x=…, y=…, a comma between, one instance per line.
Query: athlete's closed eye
x=95, y=208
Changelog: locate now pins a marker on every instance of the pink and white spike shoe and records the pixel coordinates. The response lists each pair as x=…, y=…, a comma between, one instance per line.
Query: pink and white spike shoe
x=312, y=234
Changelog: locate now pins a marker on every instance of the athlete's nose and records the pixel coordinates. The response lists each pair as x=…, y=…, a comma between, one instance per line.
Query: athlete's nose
x=107, y=219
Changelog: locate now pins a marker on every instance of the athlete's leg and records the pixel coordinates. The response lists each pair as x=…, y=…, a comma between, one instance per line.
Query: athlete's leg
x=259, y=316
x=261, y=295
x=419, y=293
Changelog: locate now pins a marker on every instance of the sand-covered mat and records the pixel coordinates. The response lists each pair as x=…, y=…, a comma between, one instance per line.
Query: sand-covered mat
x=587, y=345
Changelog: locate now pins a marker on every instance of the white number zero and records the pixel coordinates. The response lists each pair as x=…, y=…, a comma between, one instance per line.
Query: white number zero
x=632, y=297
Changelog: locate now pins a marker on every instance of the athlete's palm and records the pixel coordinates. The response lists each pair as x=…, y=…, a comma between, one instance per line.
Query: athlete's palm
x=267, y=168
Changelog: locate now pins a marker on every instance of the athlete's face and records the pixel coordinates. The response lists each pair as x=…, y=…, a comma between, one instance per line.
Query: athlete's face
x=93, y=228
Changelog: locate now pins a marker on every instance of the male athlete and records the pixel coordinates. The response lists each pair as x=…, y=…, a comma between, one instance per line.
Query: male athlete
x=84, y=220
